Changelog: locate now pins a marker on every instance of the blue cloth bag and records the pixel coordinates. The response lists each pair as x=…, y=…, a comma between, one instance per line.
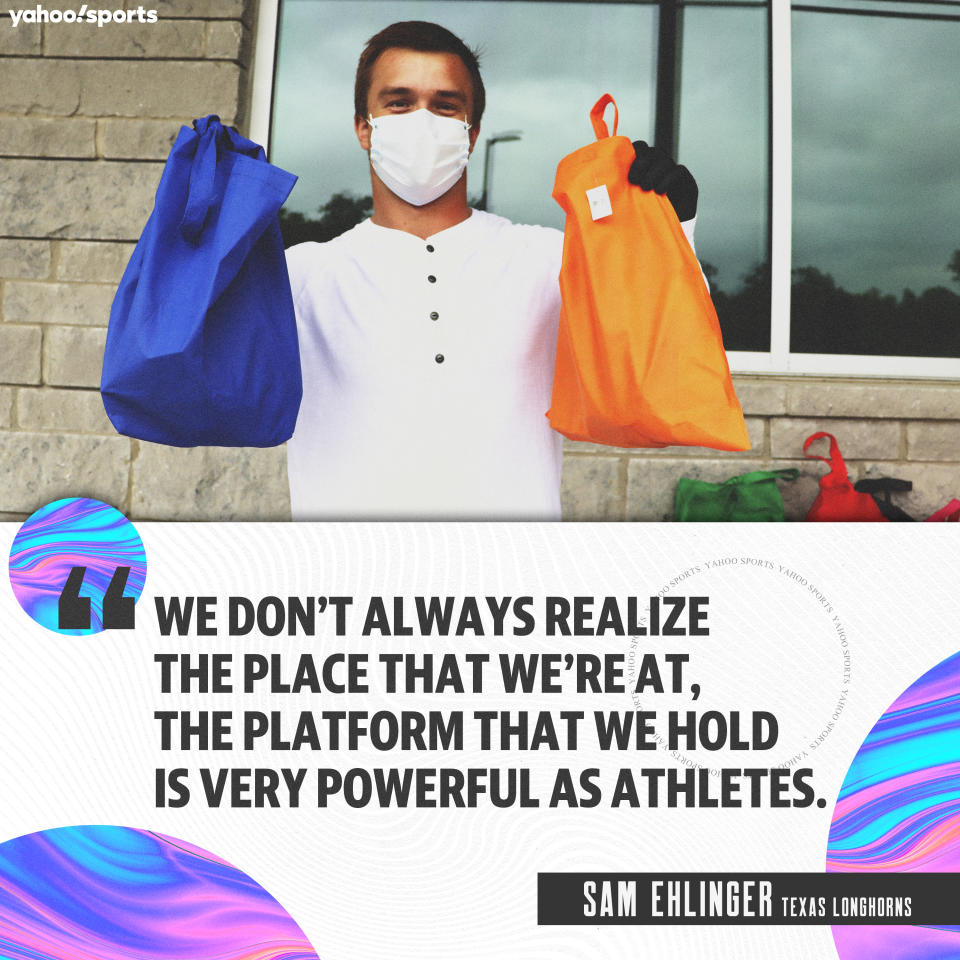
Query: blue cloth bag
x=202, y=344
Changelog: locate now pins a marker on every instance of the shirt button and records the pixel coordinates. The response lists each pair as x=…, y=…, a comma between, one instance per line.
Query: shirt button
x=439, y=358
x=434, y=315
x=432, y=278
x=430, y=248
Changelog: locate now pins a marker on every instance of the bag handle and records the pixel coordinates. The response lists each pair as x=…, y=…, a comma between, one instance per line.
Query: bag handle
x=951, y=512
x=838, y=469
x=885, y=485
x=596, y=117
x=757, y=476
x=203, y=173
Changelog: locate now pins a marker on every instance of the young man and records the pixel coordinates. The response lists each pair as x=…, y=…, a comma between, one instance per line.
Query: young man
x=428, y=332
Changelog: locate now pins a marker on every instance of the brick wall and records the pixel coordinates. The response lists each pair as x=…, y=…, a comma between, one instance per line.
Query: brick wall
x=896, y=428
x=88, y=116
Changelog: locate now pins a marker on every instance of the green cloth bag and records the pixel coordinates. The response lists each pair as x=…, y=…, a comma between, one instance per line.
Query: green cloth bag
x=748, y=497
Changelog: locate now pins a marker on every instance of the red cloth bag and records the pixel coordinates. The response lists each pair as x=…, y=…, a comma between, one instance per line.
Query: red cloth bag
x=948, y=514
x=837, y=500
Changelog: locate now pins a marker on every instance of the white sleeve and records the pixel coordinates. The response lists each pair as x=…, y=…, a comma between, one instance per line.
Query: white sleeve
x=298, y=262
x=688, y=227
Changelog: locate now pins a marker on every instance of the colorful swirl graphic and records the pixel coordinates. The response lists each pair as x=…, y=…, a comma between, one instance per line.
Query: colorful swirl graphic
x=70, y=533
x=899, y=810
x=115, y=893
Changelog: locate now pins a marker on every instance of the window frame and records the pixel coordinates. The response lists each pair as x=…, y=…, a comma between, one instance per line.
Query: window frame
x=779, y=360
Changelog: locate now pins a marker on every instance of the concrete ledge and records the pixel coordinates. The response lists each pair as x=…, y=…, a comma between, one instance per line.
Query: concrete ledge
x=20, y=349
x=6, y=407
x=220, y=9
x=210, y=483
x=86, y=304
x=38, y=468
x=762, y=396
x=44, y=137
x=934, y=441
x=120, y=88
x=21, y=41
x=24, y=259
x=62, y=411
x=915, y=400
x=224, y=39
x=593, y=488
x=92, y=261
x=856, y=438
x=166, y=39
x=125, y=139
x=73, y=356
x=76, y=199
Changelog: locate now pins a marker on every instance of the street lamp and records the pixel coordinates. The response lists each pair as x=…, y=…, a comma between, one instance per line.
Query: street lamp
x=488, y=161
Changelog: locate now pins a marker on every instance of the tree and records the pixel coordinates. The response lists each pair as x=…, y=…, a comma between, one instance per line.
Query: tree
x=745, y=314
x=954, y=266
x=341, y=212
x=710, y=272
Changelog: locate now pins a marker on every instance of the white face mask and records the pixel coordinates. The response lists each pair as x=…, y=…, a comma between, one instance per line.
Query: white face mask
x=419, y=155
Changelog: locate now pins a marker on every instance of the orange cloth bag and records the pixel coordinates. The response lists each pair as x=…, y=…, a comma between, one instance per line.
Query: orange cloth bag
x=640, y=359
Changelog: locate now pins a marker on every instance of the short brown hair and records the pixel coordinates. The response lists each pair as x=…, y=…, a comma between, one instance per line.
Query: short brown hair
x=423, y=37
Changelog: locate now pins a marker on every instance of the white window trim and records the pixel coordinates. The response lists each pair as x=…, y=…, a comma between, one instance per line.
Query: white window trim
x=781, y=185
x=846, y=365
x=778, y=360
x=264, y=61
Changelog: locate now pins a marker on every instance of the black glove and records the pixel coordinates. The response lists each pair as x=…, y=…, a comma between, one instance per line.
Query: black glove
x=654, y=170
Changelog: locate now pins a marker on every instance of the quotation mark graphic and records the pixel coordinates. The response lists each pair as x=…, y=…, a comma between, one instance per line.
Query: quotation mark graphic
x=74, y=610
x=78, y=566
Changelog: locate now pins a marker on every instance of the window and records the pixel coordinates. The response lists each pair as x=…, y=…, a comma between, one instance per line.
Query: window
x=876, y=191
x=723, y=138
x=823, y=137
x=544, y=65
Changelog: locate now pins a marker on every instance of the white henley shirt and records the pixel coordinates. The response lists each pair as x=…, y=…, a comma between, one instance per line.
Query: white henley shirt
x=427, y=373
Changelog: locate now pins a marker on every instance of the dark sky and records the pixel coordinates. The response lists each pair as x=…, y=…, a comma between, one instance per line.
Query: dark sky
x=543, y=70
x=876, y=120
x=877, y=148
